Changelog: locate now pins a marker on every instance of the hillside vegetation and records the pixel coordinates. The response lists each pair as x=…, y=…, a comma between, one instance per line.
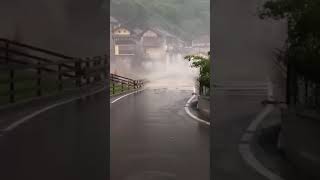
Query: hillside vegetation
x=185, y=18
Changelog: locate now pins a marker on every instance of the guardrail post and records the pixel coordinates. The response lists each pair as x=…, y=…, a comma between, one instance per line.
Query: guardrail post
x=113, y=88
x=12, y=87
x=122, y=86
x=78, y=72
x=94, y=64
x=39, y=93
x=106, y=66
x=11, y=74
x=111, y=82
x=60, y=77
x=7, y=52
x=87, y=67
x=100, y=63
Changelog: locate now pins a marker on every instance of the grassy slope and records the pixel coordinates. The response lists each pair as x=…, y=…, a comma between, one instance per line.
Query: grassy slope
x=26, y=84
x=118, y=88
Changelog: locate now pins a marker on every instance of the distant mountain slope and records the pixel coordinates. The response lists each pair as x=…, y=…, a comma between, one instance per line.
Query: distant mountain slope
x=185, y=18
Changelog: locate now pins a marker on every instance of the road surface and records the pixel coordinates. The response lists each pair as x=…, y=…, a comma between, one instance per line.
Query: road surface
x=236, y=107
x=233, y=114
x=68, y=142
x=152, y=137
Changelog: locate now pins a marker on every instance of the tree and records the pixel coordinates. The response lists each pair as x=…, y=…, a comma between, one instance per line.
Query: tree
x=203, y=63
x=303, y=43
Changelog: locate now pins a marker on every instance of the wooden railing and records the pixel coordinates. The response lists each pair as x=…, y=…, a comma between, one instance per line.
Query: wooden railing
x=120, y=84
x=28, y=72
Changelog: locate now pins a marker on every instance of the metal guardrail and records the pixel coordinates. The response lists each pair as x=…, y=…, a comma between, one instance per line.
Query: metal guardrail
x=24, y=68
x=120, y=84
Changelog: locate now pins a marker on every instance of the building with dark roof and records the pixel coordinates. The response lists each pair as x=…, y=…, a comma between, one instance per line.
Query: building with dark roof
x=124, y=41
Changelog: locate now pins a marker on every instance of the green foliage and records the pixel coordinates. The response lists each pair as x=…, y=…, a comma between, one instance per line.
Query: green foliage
x=185, y=18
x=303, y=43
x=203, y=63
x=129, y=13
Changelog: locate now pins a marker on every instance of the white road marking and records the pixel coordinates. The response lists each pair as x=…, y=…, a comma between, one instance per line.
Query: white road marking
x=125, y=96
x=254, y=124
x=192, y=115
x=36, y=113
x=244, y=148
x=248, y=156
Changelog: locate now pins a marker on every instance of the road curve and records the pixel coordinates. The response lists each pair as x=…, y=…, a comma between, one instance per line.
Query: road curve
x=152, y=137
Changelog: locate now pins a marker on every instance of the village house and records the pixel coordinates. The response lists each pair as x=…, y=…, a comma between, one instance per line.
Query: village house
x=153, y=43
x=124, y=41
x=201, y=44
x=113, y=24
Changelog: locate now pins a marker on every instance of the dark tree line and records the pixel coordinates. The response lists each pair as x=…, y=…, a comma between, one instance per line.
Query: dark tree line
x=302, y=51
x=303, y=43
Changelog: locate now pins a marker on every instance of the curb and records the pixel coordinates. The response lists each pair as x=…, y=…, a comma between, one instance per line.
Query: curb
x=196, y=118
x=245, y=148
x=126, y=94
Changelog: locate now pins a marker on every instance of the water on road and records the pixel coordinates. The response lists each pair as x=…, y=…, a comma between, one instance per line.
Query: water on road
x=152, y=137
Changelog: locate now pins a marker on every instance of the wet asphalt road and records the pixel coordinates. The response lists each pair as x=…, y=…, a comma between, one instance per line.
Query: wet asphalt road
x=232, y=115
x=68, y=142
x=152, y=138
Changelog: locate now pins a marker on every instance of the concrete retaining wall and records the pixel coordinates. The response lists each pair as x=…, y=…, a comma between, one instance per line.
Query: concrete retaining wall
x=204, y=105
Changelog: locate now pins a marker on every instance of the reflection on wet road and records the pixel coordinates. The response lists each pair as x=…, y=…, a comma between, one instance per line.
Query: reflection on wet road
x=68, y=142
x=153, y=138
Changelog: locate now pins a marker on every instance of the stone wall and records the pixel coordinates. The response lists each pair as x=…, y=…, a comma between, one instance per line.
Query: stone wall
x=204, y=105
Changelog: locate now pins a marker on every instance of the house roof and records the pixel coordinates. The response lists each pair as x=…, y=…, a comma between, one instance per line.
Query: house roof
x=151, y=42
x=159, y=33
x=164, y=32
x=123, y=27
x=137, y=31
